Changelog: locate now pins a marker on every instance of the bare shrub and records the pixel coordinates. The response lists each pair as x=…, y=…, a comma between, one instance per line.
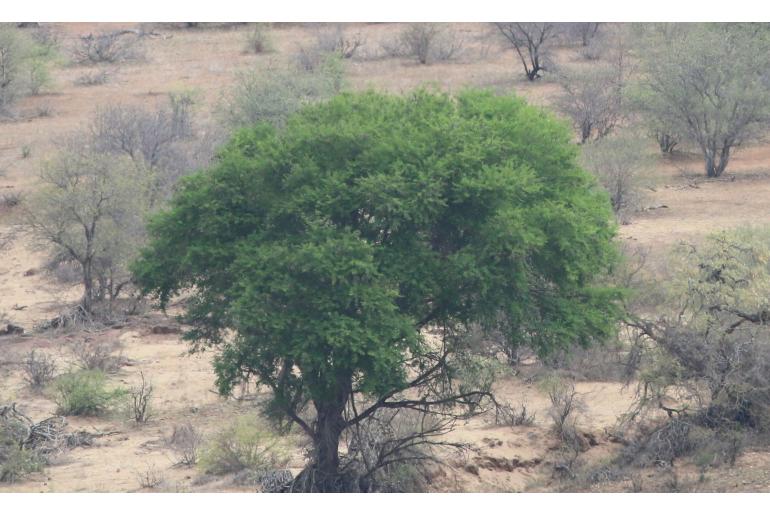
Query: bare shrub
x=618, y=162
x=108, y=47
x=45, y=110
x=91, y=212
x=140, y=399
x=507, y=415
x=271, y=96
x=63, y=268
x=335, y=39
x=661, y=445
x=245, y=445
x=258, y=40
x=94, y=78
x=390, y=453
x=582, y=33
x=181, y=104
x=390, y=48
x=428, y=42
x=449, y=46
x=565, y=404
x=96, y=355
x=5, y=241
x=39, y=369
x=12, y=199
x=593, y=100
x=151, y=477
x=185, y=441
x=310, y=59
x=271, y=481
x=595, y=50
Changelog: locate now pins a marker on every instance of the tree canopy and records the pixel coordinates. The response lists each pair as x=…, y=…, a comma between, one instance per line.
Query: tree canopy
x=317, y=254
x=707, y=83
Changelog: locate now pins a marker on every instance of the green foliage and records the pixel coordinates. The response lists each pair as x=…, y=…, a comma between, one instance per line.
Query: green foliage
x=245, y=445
x=84, y=393
x=729, y=270
x=332, y=242
x=15, y=461
x=23, y=65
x=318, y=252
x=709, y=344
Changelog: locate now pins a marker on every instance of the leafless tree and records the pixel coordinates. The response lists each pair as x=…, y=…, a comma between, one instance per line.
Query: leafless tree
x=618, y=162
x=90, y=208
x=586, y=31
x=532, y=43
x=145, y=136
x=427, y=42
x=418, y=39
x=259, y=41
x=592, y=99
x=709, y=83
x=336, y=39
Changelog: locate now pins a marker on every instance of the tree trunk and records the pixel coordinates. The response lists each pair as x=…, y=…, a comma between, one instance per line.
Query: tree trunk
x=666, y=142
x=88, y=287
x=326, y=442
x=323, y=473
x=585, y=131
x=716, y=161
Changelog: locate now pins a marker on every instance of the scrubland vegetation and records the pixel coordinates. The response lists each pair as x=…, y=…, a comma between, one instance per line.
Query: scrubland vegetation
x=396, y=284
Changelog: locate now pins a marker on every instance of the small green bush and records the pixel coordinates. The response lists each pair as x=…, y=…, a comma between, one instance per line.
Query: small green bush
x=23, y=65
x=244, y=445
x=84, y=393
x=15, y=462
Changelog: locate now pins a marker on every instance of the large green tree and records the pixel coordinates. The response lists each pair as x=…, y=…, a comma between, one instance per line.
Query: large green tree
x=317, y=255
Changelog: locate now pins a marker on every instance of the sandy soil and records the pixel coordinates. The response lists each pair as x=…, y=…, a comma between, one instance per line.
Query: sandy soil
x=205, y=60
